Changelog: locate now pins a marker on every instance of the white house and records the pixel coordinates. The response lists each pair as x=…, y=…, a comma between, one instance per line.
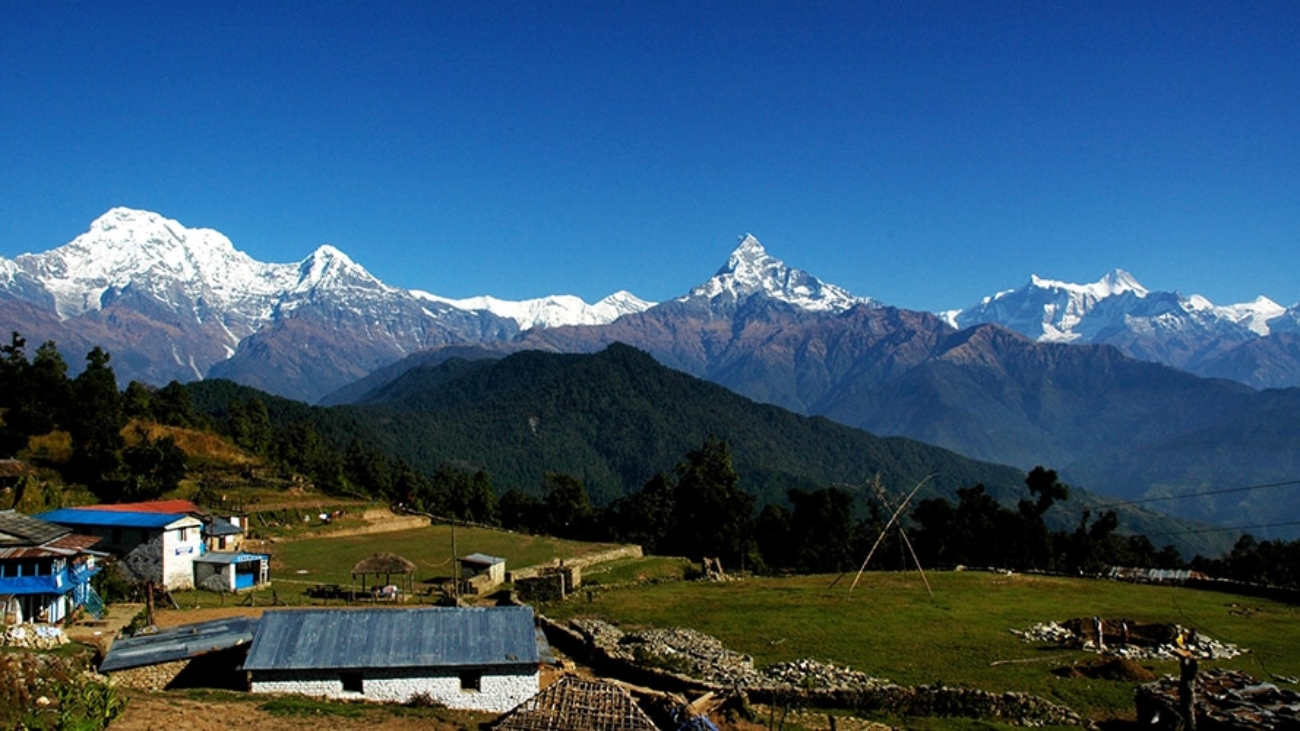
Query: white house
x=476, y=658
x=165, y=544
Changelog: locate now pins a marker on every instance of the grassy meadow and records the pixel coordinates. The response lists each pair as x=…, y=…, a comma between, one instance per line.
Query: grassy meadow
x=300, y=564
x=891, y=627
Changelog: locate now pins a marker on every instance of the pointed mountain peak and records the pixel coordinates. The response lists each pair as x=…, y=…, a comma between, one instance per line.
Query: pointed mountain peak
x=329, y=267
x=750, y=270
x=329, y=254
x=748, y=250
x=1120, y=281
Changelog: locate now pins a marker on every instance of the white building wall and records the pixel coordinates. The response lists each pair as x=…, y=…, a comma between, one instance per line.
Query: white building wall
x=498, y=694
x=182, y=542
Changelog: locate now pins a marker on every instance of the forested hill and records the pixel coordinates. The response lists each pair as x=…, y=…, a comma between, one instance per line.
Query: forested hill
x=615, y=419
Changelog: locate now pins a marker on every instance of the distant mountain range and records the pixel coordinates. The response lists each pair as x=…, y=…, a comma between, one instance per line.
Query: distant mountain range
x=1093, y=380
x=617, y=417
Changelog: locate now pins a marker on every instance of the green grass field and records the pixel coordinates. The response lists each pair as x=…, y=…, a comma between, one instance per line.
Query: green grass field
x=890, y=627
x=300, y=564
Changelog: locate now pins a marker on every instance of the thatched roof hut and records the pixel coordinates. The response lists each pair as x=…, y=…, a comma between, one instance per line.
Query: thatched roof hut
x=577, y=704
x=386, y=565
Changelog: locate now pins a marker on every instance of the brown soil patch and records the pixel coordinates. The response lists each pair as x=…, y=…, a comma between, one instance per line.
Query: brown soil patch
x=1115, y=669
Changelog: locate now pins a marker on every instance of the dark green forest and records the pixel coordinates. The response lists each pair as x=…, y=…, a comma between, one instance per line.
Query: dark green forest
x=609, y=447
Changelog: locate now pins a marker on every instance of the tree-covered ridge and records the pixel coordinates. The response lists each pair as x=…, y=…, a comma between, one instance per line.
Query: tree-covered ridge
x=618, y=417
x=697, y=501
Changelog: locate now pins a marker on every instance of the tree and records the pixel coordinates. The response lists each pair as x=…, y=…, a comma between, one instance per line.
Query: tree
x=249, y=425
x=1036, y=547
x=154, y=468
x=367, y=470
x=173, y=405
x=646, y=516
x=567, y=506
x=521, y=511
x=713, y=516
x=822, y=530
x=95, y=425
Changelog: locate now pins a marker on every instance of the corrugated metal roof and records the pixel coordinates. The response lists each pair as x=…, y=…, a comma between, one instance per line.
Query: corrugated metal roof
x=178, y=643
x=153, y=506
x=221, y=527
x=229, y=557
x=482, y=558
x=114, y=519
x=392, y=638
x=17, y=529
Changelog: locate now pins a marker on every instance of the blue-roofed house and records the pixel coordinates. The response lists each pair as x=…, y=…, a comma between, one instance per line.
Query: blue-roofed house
x=167, y=542
x=45, y=570
x=476, y=658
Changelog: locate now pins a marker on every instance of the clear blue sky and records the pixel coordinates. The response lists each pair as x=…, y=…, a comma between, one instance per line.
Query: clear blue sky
x=925, y=154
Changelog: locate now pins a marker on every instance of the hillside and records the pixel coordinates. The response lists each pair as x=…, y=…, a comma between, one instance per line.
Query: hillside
x=616, y=418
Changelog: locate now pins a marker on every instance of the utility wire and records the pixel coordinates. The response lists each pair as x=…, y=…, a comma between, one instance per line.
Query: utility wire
x=1183, y=496
x=1227, y=528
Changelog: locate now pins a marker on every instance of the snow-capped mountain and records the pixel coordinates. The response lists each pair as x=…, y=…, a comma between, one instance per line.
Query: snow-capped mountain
x=1187, y=332
x=176, y=303
x=750, y=271
x=553, y=311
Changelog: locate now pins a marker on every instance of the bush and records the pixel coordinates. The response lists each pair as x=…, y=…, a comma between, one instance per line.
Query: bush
x=42, y=691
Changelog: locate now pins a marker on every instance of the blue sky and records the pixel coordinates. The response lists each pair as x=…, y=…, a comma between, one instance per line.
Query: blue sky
x=922, y=153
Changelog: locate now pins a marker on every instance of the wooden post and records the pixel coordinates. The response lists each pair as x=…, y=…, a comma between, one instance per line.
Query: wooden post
x=1187, y=667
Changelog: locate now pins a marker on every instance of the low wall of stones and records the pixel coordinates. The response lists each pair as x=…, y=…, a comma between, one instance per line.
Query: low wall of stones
x=661, y=659
x=150, y=677
x=612, y=554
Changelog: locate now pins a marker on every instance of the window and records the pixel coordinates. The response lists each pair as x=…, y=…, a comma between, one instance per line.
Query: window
x=471, y=681
x=352, y=682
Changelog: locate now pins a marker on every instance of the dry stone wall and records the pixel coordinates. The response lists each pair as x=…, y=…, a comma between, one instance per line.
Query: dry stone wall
x=150, y=677
x=686, y=660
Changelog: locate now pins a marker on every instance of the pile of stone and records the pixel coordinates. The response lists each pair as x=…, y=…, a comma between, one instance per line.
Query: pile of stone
x=686, y=653
x=815, y=674
x=712, y=571
x=1225, y=699
x=682, y=651
x=1164, y=646
x=34, y=636
x=703, y=657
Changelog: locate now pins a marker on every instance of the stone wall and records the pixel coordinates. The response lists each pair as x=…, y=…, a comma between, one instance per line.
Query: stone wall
x=497, y=693
x=150, y=677
x=683, y=660
x=580, y=562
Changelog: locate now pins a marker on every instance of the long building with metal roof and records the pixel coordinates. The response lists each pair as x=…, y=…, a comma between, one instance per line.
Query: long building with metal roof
x=481, y=658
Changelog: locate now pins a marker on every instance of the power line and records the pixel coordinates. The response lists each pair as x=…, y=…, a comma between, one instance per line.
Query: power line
x=1204, y=493
x=1228, y=528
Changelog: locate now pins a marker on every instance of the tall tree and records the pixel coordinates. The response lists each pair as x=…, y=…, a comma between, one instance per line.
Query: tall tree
x=96, y=424
x=714, y=517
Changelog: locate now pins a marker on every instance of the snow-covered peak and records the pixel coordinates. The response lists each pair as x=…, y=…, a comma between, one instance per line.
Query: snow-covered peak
x=751, y=270
x=131, y=247
x=330, y=268
x=552, y=311
x=1114, y=283
x=1254, y=315
x=1057, y=311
